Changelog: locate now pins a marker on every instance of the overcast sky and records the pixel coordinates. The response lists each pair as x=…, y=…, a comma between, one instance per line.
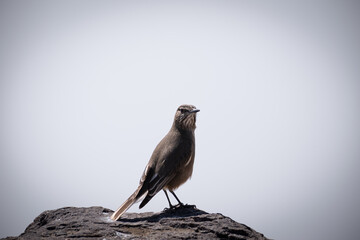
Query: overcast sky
x=88, y=88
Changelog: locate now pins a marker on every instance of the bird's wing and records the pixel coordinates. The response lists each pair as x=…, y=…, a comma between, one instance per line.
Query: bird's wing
x=156, y=183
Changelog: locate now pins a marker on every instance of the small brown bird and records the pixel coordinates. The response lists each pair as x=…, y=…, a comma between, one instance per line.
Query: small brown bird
x=171, y=163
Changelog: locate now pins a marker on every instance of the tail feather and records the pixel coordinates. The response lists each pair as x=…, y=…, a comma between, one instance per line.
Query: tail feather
x=126, y=205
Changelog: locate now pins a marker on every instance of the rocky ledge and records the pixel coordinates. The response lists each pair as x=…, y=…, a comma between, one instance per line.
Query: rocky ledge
x=95, y=223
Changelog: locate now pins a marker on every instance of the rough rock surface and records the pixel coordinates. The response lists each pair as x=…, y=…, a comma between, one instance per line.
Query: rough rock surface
x=95, y=223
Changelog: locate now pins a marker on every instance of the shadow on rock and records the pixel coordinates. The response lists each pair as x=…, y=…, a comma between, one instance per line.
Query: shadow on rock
x=176, y=212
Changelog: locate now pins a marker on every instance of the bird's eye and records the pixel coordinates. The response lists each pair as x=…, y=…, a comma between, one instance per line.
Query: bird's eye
x=182, y=110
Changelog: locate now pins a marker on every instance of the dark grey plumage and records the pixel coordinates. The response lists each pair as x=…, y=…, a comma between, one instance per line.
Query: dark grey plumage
x=171, y=163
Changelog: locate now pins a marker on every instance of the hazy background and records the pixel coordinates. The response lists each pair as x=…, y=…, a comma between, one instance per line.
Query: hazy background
x=88, y=88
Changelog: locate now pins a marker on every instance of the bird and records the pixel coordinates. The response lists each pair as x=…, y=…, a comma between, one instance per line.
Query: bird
x=171, y=163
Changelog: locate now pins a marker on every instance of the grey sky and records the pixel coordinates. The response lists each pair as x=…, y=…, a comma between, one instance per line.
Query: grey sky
x=88, y=88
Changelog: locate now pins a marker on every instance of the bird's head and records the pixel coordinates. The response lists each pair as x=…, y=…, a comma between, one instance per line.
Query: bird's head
x=185, y=117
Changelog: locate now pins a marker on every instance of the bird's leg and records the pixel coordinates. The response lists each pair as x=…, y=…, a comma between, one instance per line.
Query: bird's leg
x=180, y=203
x=170, y=205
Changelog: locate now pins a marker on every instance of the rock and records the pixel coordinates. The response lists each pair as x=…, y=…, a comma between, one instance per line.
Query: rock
x=185, y=222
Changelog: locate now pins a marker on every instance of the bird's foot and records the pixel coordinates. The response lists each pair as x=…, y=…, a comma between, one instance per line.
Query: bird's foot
x=173, y=207
x=179, y=206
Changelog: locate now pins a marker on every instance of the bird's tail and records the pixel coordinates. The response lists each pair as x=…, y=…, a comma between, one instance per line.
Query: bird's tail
x=126, y=205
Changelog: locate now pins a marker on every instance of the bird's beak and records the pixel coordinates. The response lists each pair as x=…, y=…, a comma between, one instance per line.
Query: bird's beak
x=194, y=111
